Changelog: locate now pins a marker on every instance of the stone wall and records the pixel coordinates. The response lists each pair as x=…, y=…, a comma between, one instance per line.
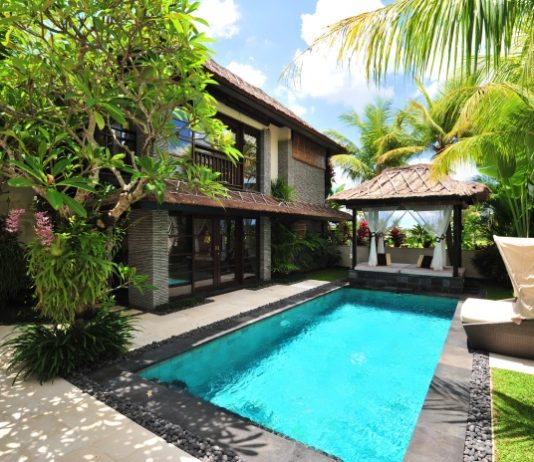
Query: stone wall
x=307, y=180
x=264, y=234
x=147, y=251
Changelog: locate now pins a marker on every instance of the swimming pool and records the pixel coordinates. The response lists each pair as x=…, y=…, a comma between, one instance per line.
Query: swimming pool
x=346, y=372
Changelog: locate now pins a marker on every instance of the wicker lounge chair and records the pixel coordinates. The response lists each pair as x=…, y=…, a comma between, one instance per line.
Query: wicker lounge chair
x=489, y=327
x=506, y=327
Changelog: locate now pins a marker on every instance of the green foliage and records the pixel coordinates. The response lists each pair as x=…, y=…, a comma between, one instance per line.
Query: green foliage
x=420, y=36
x=340, y=233
x=379, y=132
x=396, y=237
x=78, y=70
x=71, y=276
x=47, y=352
x=489, y=264
x=14, y=283
x=291, y=252
x=475, y=227
x=418, y=237
x=282, y=191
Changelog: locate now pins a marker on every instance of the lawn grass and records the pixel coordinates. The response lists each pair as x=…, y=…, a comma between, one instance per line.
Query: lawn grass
x=513, y=416
x=326, y=274
x=497, y=291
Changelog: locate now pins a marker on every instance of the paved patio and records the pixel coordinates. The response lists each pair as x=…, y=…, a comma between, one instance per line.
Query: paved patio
x=58, y=422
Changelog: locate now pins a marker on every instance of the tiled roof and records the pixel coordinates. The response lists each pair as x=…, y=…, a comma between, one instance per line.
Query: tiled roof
x=254, y=202
x=412, y=182
x=224, y=76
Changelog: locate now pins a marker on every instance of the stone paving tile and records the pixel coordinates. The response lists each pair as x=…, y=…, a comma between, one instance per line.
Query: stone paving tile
x=58, y=422
x=525, y=366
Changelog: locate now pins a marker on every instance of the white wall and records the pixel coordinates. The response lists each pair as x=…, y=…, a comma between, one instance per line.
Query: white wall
x=236, y=115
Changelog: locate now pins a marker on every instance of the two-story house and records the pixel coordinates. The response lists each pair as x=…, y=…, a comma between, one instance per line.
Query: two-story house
x=192, y=243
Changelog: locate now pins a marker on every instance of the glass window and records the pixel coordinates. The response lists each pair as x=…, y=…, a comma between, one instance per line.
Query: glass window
x=250, y=157
x=250, y=248
x=180, y=255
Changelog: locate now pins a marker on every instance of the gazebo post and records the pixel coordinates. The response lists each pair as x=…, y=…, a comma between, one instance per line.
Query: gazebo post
x=354, y=238
x=457, y=239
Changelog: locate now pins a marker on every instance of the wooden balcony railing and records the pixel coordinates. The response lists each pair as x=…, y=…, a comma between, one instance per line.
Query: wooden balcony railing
x=231, y=174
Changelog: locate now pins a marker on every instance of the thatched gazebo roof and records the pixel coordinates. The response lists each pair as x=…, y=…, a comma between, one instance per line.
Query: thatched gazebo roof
x=411, y=184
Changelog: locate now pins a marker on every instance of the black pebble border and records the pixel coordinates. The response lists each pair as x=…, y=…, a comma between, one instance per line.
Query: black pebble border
x=478, y=438
x=202, y=448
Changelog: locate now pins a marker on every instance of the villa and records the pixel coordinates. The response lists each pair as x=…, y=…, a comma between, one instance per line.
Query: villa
x=194, y=244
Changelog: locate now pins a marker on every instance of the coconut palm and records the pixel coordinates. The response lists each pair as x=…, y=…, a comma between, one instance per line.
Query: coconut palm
x=420, y=36
x=380, y=131
x=431, y=122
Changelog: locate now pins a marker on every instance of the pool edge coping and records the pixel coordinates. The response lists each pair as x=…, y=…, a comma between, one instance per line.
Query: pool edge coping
x=440, y=431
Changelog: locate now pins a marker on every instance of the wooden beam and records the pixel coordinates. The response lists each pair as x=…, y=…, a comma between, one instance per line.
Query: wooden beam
x=354, y=238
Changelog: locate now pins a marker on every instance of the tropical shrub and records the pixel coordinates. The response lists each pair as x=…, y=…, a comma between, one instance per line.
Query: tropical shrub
x=318, y=252
x=340, y=233
x=49, y=351
x=362, y=234
x=291, y=252
x=70, y=270
x=418, y=237
x=282, y=191
x=396, y=236
x=489, y=263
x=14, y=283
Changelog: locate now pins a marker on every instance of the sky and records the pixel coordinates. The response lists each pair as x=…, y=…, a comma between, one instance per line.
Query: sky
x=258, y=39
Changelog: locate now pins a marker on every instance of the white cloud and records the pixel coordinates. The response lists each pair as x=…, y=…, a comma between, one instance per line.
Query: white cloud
x=330, y=11
x=291, y=100
x=222, y=16
x=321, y=76
x=249, y=73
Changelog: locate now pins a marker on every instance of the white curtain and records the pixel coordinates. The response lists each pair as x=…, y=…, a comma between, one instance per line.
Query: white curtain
x=436, y=222
x=378, y=221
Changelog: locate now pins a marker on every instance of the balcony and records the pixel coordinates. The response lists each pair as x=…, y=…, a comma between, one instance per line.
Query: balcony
x=232, y=175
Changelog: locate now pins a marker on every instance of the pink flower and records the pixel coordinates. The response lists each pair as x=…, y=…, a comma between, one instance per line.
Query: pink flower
x=43, y=228
x=13, y=220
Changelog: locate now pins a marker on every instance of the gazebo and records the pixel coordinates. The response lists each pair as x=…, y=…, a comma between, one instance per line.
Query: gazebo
x=385, y=199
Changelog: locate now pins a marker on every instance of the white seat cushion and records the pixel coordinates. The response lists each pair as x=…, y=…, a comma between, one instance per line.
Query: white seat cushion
x=481, y=310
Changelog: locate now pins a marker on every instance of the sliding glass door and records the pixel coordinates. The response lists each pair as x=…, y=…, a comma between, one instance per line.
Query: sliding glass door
x=210, y=252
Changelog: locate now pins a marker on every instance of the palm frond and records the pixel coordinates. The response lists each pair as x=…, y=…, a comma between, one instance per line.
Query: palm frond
x=351, y=165
x=420, y=36
x=399, y=154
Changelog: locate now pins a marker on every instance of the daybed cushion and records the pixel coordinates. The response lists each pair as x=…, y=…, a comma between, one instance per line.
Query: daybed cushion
x=476, y=310
x=518, y=256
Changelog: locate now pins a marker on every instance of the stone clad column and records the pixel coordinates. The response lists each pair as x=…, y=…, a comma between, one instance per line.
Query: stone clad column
x=264, y=234
x=148, y=252
x=265, y=162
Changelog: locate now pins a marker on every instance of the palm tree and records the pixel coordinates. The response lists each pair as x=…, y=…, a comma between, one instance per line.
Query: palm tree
x=432, y=122
x=380, y=131
x=495, y=129
x=420, y=36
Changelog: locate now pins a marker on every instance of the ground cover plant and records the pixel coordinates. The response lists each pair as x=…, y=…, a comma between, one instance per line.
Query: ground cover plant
x=513, y=415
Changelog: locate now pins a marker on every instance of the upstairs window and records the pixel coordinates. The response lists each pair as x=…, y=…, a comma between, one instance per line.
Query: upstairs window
x=243, y=174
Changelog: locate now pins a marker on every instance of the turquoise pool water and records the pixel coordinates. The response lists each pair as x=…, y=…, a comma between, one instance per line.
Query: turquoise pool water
x=346, y=373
